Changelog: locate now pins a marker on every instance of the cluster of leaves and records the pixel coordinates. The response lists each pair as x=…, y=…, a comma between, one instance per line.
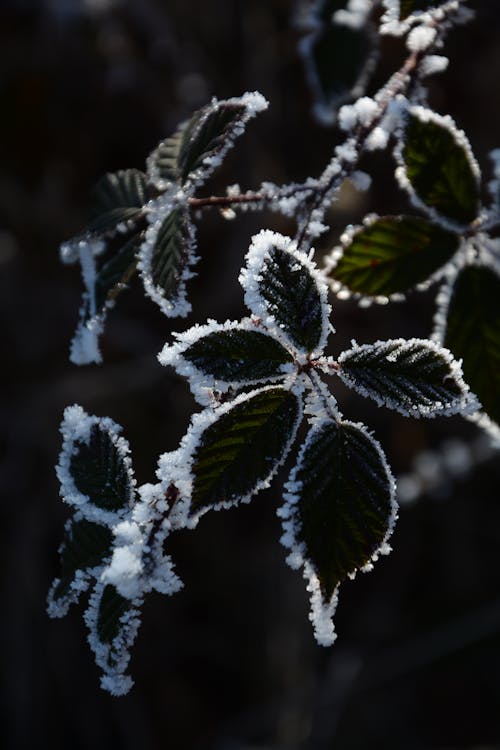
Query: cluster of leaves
x=339, y=508
x=143, y=221
x=387, y=256
x=261, y=380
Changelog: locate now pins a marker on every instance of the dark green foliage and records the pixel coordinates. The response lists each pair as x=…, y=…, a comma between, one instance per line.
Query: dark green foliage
x=473, y=333
x=339, y=60
x=116, y=271
x=291, y=295
x=206, y=136
x=201, y=137
x=344, y=508
x=112, y=607
x=171, y=251
x=100, y=472
x=394, y=254
x=243, y=447
x=410, y=6
x=440, y=171
x=413, y=377
x=238, y=355
x=86, y=545
x=118, y=197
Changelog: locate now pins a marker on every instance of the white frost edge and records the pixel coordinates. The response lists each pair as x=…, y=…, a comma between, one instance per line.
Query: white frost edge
x=176, y=467
x=465, y=403
x=57, y=608
x=322, y=612
x=481, y=419
x=446, y=122
x=202, y=384
x=158, y=211
x=250, y=278
x=253, y=102
x=325, y=106
x=114, y=680
x=75, y=429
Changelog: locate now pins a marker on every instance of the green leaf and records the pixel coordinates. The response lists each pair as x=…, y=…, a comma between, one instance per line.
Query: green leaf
x=415, y=377
x=207, y=135
x=85, y=546
x=407, y=7
x=473, y=333
x=238, y=355
x=170, y=252
x=439, y=167
x=100, y=471
x=393, y=254
x=117, y=271
x=290, y=294
x=239, y=452
x=338, y=60
x=112, y=607
x=196, y=140
x=345, y=507
x=118, y=197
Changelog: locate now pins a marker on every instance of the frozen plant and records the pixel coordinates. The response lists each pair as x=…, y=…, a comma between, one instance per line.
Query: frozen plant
x=260, y=378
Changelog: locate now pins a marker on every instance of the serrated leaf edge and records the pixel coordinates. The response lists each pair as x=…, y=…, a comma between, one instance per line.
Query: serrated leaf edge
x=176, y=467
x=342, y=292
x=322, y=612
x=466, y=403
x=75, y=429
x=250, y=277
x=158, y=210
x=424, y=114
x=203, y=385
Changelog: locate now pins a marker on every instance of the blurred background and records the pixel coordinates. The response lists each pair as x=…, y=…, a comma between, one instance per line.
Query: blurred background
x=230, y=663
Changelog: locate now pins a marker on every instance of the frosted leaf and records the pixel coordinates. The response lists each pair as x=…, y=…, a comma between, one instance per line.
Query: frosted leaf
x=232, y=452
x=339, y=511
x=167, y=256
x=199, y=146
x=117, y=201
x=83, y=553
x=224, y=357
x=468, y=323
x=416, y=377
x=338, y=52
x=437, y=168
x=285, y=290
x=113, y=623
x=94, y=467
x=388, y=255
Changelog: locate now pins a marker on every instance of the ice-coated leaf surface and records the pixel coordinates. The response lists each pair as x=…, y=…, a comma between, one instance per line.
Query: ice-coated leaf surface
x=111, y=608
x=118, y=197
x=473, y=333
x=113, y=622
x=85, y=546
x=239, y=355
x=116, y=271
x=392, y=254
x=283, y=287
x=414, y=377
x=99, y=471
x=439, y=166
x=342, y=502
x=200, y=144
x=240, y=451
x=170, y=252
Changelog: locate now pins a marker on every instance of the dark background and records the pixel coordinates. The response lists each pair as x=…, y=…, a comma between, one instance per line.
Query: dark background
x=230, y=663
